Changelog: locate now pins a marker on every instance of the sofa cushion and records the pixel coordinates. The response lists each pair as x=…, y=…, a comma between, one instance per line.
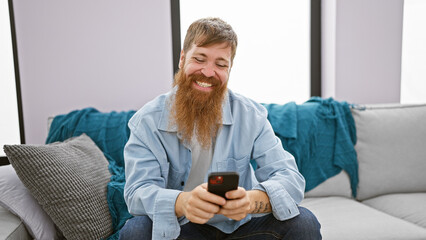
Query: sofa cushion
x=391, y=149
x=69, y=180
x=345, y=218
x=16, y=198
x=408, y=206
x=338, y=185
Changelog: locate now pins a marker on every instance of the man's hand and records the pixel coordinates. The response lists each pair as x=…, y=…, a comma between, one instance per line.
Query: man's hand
x=241, y=202
x=199, y=205
x=238, y=204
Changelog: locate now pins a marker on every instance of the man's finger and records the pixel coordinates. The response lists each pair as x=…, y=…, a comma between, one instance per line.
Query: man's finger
x=235, y=194
x=228, y=212
x=207, y=207
x=201, y=213
x=236, y=204
x=196, y=219
x=210, y=197
x=197, y=202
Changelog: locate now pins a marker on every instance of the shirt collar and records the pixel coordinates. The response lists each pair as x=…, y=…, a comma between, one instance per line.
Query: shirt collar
x=164, y=125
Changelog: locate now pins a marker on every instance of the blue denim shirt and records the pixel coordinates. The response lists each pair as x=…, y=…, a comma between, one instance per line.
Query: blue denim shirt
x=158, y=164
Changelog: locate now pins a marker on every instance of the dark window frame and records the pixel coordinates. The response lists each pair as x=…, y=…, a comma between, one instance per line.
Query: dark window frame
x=315, y=42
x=4, y=160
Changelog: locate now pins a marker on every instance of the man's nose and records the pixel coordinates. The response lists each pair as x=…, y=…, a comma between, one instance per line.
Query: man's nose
x=208, y=71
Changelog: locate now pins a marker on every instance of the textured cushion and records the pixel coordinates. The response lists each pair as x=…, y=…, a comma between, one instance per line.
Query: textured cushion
x=69, y=180
x=16, y=198
x=391, y=149
x=346, y=219
x=408, y=206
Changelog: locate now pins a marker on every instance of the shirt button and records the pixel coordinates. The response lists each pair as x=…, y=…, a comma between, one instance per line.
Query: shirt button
x=182, y=183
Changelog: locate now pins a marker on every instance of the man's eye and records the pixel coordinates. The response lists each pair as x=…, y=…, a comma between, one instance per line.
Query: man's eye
x=199, y=59
x=222, y=65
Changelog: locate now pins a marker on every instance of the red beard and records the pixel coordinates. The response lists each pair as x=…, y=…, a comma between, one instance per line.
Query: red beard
x=195, y=111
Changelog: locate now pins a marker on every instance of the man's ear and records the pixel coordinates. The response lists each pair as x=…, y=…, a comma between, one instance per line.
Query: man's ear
x=181, y=59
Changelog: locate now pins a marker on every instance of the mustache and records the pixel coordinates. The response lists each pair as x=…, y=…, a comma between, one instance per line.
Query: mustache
x=201, y=78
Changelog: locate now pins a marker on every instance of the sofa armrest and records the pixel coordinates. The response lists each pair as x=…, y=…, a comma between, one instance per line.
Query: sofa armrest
x=11, y=227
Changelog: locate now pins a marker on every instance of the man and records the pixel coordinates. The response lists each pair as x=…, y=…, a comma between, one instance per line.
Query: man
x=201, y=127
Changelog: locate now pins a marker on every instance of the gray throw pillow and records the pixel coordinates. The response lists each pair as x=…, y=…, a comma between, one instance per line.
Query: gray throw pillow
x=69, y=180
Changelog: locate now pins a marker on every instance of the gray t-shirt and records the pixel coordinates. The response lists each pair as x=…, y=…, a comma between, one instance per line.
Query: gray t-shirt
x=201, y=161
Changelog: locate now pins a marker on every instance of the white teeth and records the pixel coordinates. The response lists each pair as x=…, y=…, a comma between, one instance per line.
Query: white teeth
x=203, y=84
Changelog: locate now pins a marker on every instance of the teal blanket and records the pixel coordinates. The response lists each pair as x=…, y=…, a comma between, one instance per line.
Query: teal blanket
x=321, y=135
x=110, y=133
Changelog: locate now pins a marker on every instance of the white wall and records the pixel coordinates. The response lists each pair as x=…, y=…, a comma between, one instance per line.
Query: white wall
x=111, y=55
x=362, y=45
x=117, y=55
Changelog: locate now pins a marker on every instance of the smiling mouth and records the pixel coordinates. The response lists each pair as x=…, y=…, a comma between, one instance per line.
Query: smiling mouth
x=203, y=84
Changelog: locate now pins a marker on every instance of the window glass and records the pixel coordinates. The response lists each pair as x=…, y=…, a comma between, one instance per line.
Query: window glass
x=272, y=64
x=413, y=70
x=9, y=120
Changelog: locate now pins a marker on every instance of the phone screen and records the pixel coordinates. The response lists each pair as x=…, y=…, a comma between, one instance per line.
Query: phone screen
x=221, y=182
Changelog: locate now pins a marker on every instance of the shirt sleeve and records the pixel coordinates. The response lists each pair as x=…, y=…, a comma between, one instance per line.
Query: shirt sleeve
x=145, y=190
x=277, y=174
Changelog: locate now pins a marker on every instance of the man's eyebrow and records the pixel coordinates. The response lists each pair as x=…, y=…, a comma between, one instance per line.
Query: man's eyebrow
x=201, y=54
x=222, y=59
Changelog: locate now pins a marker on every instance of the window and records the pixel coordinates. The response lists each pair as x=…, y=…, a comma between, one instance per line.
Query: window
x=413, y=71
x=10, y=120
x=273, y=60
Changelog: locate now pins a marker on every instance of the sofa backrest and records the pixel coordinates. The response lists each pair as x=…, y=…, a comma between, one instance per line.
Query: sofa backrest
x=391, y=149
x=391, y=152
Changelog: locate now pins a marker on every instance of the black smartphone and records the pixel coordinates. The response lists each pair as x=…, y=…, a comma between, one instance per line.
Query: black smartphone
x=221, y=182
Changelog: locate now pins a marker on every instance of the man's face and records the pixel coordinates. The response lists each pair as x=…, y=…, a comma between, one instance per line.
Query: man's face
x=202, y=86
x=209, y=61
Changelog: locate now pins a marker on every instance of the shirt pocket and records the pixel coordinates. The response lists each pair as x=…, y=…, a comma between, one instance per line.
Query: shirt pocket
x=175, y=179
x=239, y=165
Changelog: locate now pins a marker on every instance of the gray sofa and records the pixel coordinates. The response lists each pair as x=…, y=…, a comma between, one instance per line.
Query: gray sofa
x=391, y=194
